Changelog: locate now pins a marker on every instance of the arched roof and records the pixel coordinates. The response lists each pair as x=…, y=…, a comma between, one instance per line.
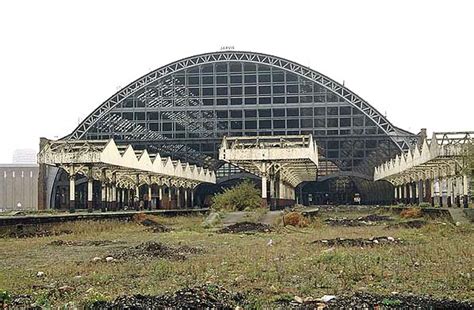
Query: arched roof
x=397, y=135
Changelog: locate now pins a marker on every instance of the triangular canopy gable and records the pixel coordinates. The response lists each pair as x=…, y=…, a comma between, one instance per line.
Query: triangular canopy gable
x=110, y=154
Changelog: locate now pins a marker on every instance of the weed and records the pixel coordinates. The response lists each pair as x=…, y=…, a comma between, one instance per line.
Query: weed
x=5, y=297
x=411, y=213
x=391, y=302
x=42, y=300
x=161, y=270
x=95, y=297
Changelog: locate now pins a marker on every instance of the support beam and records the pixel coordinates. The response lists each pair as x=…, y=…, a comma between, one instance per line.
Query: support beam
x=449, y=192
x=440, y=184
x=160, y=197
x=465, y=191
x=121, y=198
x=432, y=186
x=90, y=193
x=109, y=197
x=410, y=189
x=149, y=196
x=419, y=191
x=72, y=193
x=185, y=198
x=178, y=198
x=404, y=195
x=113, y=198
x=169, y=197
x=281, y=190
x=103, y=197
x=137, y=197
x=458, y=191
x=272, y=188
x=264, y=188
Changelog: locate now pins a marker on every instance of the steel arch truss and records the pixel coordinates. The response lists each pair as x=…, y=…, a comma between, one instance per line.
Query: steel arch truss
x=397, y=135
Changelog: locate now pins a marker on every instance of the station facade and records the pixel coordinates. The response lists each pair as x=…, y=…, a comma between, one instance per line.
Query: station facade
x=184, y=109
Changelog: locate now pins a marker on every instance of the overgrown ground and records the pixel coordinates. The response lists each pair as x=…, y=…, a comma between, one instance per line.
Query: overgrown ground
x=436, y=259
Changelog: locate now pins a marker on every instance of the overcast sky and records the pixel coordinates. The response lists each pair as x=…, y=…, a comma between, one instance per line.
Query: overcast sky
x=59, y=60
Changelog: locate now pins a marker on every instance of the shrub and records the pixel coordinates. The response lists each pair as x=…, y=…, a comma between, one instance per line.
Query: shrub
x=295, y=219
x=244, y=196
x=425, y=205
x=5, y=298
x=411, y=213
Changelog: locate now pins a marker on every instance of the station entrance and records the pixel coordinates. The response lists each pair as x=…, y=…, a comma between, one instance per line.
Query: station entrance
x=345, y=191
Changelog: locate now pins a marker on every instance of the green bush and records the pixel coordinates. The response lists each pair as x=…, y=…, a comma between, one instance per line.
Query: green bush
x=244, y=196
x=425, y=205
x=5, y=298
x=391, y=302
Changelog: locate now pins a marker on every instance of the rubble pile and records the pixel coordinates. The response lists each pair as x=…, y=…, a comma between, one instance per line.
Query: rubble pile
x=32, y=231
x=365, y=300
x=369, y=220
x=373, y=301
x=84, y=243
x=360, y=242
x=245, y=227
x=199, y=297
x=153, y=249
x=22, y=301
x=150, y=221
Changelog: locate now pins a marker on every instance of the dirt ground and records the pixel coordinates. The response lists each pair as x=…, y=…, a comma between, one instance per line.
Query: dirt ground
x=98, y=263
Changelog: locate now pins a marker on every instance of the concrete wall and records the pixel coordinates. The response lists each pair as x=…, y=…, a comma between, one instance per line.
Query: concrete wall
x=18, y=187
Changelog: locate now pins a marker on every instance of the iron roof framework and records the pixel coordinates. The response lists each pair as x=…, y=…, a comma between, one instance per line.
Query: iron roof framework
x=203, y=124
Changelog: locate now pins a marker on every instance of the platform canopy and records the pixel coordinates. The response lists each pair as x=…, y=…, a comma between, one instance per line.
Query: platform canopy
x=105, y=160
x=294, y=159
x=445, y=154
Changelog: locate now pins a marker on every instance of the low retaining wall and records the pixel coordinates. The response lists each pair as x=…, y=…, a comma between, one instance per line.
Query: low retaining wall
x=68, y=217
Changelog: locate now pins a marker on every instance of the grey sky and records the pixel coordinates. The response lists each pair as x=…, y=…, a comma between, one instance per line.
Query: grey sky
x=412, y=60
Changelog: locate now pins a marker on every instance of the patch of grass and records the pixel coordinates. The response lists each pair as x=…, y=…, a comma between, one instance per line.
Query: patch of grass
x=94, y=297
x=435, y=260
x=391, y=302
